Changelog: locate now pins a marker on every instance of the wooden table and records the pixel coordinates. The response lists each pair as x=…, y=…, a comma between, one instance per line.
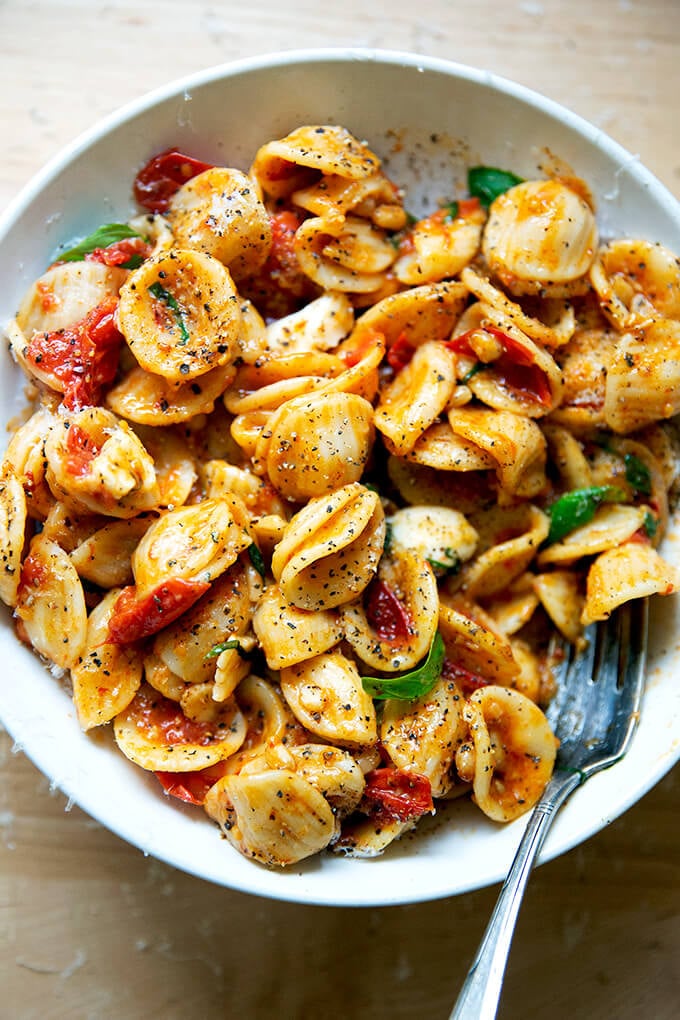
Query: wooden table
x=89, y=928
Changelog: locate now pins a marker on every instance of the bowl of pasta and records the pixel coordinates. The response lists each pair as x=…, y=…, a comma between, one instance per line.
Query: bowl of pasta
x=341, y=388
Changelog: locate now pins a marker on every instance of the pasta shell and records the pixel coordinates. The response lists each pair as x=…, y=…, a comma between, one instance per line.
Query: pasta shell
x=319, y=326
x=26, y=454
x=96, y=463
x=276, y=817
x=408, y=574
x=319, y=443
x=331, y=548
x=643, y=380
x=635, y=281
x=541, y=236
x=422, y=736
x=155, y=734
x=330, y=252
x=12, y=532
x=194, y=543
x=515, y=442
x=630, y=571
x=370, y=837
x=326, y=695
x=442, y=247
x=474, y=642
x=333, y=772
x=512, y=539
x=326, y=149
x=219, y=212
x=65, y=294
x=289, y=635
x=147, y=399
x=416, y=397
x=439, y=447
x=436, y=533
x=180, y=315
x=107, y=676
x=174, y=464
x=104, y=557
x=550, y=334
x=611, y=525
x=222, y=613
x=51, y=603
x=422, y=314
x=514, y=751
x=561, y=597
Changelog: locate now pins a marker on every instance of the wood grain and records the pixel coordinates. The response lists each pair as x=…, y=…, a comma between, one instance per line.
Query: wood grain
x=90, y=928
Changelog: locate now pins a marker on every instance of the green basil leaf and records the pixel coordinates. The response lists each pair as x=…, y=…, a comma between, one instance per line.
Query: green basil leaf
x=224, y=646
x=488, y=182
x=388, y=537
x=257, y=560
x=449, y=566
x=638, y=474
x=650, y=524
x=108, y=234
x=411, y=685
x=477, y=367
x=451, y=212
x=578, y=507
x=161, y=294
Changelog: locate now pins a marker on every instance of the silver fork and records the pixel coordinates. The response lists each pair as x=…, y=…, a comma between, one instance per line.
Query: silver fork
x=594, y=715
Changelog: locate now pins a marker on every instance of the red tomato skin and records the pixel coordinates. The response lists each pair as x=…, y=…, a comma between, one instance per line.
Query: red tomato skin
x=467, y=681
x=136, y=617
x=191, y=787
x=163, y=176
x=386, y=614
x=280, y=287
x=515, y=367
x=397, y=794
x=83, y=357
x=80, y=451
x=400, y=353
x=120, y=252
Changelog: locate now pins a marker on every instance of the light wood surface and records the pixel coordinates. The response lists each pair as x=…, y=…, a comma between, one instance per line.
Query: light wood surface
x=89, y=928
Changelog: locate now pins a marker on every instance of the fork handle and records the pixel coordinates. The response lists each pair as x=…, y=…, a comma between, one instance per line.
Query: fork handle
x=480, y=994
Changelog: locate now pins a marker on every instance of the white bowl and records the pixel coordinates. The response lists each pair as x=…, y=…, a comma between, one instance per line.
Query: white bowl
x=440, y=116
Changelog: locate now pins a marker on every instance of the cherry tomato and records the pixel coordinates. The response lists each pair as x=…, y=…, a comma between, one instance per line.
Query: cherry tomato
x=83, y=357
x=80, y=451
x=354, y=352
x=464, y=678
x=388, y=617
x=190, y=787
x=400, y=353
x=135, y=617
x=398, y=794
x=514, y=368
x=280, y=287
x=163, y=176
x=120, y=252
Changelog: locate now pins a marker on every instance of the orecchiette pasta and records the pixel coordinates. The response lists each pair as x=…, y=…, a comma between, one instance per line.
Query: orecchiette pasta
x=309, y=488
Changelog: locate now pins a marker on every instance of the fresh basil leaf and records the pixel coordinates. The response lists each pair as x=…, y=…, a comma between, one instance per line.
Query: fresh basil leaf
x=108, y=234
x=451, y=212
x=638, y=474
x=387, y=545
x=578, y=507
x=224, y=646
x=650, y=524
x=477, y=367
x=449, y=566
x=411, y=685
x=488, y=182
x=257, y=560
x=161, y=294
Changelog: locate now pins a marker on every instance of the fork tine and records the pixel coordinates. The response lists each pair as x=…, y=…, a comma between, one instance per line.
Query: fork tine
x=596, y=707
